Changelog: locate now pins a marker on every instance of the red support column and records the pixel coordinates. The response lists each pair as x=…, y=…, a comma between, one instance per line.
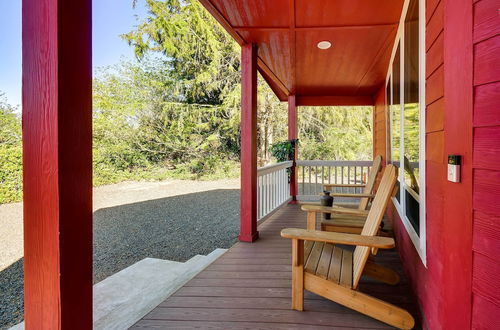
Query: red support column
x=457, y=207
x=57, y=156
x=248, y=217
x=292, y=134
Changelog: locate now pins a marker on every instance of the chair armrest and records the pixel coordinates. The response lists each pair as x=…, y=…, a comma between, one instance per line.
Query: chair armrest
x=334, y=209
x=352, y=195
x=338, y=238
x=333, y=185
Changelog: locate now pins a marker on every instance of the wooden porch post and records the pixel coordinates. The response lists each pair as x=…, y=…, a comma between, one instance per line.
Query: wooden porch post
x=248, y=217
x=57, y=157
x=457, y=207
x=292, y=134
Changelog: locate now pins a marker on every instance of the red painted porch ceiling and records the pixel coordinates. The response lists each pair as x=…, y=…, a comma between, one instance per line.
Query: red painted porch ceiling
x=362, y=33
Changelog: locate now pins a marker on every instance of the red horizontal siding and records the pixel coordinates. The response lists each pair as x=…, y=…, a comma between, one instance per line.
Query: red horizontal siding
x=487, y=61
x=487, y=148
x=430, y=8
x=486, y=20
x=434, y=57
x=484, y=314
x=435, y=147
x=435, y=173
x=486, y=238
x=434, y=26
x=486, y=277
x=434, y=120
x=435, y=86
x=487, y=105
x=487, y=191
x=427, y=281
x=486, y=161
x=434, y=205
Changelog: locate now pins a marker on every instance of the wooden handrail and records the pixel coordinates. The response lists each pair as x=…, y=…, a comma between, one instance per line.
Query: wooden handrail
x=334, y=163
x=274, y=167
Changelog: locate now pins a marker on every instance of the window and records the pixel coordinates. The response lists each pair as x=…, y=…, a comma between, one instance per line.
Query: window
x=395, y=109
x=411, y=117
x=405, y=99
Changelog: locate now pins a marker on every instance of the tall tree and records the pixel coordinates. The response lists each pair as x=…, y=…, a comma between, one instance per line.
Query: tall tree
x=204, y=62
x=335, y=133
x=203, y=58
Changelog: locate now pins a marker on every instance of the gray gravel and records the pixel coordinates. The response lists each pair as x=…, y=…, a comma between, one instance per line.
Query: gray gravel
x=170, y=220
x=11, y=295
x=173, y=228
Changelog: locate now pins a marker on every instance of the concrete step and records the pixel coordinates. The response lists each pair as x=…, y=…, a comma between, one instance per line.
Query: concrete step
x=154, y=280
x=134, y=291
x=197, y=264
x=125, y=297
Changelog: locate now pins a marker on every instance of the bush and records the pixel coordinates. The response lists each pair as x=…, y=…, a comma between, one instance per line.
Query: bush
x=284, y=151
x=11, y=174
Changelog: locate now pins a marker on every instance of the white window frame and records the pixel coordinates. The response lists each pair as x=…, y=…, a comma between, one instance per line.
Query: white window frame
x=419, y=241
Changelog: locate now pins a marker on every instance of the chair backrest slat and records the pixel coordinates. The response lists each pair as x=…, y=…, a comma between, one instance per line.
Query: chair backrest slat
x=374, y=219
x=370, y=183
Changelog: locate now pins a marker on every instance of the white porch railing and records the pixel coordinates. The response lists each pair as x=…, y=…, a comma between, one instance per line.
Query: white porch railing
x=312, y=174
x=273, y=188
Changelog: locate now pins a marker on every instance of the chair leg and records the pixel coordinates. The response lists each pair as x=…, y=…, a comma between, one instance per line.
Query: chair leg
x=381, y=273
x=298, y=274
x=358, y=301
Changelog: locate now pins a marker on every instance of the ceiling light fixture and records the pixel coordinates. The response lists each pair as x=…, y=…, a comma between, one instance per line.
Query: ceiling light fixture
x=324, y=44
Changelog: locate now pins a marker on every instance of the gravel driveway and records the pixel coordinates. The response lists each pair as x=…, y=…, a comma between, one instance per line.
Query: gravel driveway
x=172, y=220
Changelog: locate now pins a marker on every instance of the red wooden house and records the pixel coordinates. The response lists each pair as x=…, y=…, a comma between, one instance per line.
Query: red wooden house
x=430, y=69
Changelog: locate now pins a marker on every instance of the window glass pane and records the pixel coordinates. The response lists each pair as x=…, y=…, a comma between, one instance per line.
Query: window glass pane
x=395, y=109
x=411, y=115
x=388, y=116
x=388, y=95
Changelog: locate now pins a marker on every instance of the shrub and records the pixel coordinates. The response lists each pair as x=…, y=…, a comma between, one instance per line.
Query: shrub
x=11, y=174
x=284, y=151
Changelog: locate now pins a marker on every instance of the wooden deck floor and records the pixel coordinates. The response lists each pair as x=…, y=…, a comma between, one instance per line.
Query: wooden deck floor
x=249, y=287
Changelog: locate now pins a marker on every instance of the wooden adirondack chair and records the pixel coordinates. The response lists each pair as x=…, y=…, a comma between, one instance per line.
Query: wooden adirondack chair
x=346, y=219
x=366, y=195
x=319, y=266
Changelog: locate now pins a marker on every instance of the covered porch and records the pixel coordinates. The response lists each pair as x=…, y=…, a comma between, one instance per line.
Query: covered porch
x=315, y=53
x=306, y=58
x=249, y=287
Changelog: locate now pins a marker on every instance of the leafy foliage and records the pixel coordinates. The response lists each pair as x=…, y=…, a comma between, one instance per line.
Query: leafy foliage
x=203, y=59
x=411, y=144
x=10, y=153
x=145, y=128
x=335, y=133
x=284, y=151
x=175, y=112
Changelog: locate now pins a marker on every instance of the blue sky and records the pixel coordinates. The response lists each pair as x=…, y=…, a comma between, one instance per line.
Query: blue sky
x=110, y=19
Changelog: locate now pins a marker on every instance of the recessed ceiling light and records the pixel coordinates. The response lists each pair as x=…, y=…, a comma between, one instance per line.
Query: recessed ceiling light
x=324, y=44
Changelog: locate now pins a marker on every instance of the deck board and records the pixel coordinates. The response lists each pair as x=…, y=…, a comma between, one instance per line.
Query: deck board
x=250, y=287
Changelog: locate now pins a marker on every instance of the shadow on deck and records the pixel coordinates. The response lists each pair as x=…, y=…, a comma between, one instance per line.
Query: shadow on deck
x=249, y=287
